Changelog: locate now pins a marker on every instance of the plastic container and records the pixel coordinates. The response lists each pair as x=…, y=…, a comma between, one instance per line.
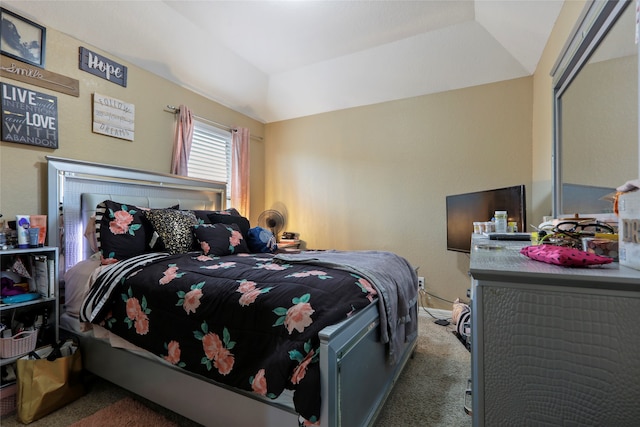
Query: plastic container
x=629, y=229
x=21, y=343
x=602, y=247
x=477, y=227
x=501, y=221
x=22, y=225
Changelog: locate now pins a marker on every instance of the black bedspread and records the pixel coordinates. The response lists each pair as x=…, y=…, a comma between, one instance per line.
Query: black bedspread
x=241, y=320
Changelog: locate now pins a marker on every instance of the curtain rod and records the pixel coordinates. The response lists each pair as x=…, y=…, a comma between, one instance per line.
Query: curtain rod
x=176, y=110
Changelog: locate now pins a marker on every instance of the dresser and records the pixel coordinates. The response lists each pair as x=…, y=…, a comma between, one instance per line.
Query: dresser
x=552, y=345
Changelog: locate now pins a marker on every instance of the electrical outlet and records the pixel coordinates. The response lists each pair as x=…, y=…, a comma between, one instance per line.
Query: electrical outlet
x=421, y=283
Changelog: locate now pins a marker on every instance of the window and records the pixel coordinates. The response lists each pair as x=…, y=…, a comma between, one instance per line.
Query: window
x=210, y=156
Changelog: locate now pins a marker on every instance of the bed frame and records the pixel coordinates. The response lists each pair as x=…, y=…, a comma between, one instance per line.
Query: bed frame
x=355, y=376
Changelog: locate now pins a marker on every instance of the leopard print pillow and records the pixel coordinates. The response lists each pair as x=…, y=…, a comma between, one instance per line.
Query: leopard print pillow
x=173, y=228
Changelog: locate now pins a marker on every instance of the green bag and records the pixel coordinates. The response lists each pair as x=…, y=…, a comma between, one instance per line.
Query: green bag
x=48, y=378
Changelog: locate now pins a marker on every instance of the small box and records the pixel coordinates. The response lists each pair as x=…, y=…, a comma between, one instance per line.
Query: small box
x=629, y=229
x=8, y=399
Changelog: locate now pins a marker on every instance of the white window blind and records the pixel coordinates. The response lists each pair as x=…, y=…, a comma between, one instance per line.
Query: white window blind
x=210, y=156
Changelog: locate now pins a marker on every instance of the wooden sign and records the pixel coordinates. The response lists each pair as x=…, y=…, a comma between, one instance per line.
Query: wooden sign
x=113, y=117
x=26, y=73
x=29, y=117
x=100, y=66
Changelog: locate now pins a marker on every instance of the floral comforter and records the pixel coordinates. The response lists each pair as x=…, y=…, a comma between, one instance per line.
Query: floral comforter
x=243, y=320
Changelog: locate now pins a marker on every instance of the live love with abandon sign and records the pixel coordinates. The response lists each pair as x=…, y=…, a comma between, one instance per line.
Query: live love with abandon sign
x=113, y=117
x=29, y=117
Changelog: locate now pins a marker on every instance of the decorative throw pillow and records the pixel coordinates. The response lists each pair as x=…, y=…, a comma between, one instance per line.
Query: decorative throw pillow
x=458, y=309
x=463, y=327
x=220, y=239
x=203, y=215
x=90, y=234
x=122, y=230
x=173, y=228
x=261, y=240
x=231, y=216
x=561, y=255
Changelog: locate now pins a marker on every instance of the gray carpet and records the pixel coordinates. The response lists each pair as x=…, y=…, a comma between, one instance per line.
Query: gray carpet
x=429, y=393
x=430, y=390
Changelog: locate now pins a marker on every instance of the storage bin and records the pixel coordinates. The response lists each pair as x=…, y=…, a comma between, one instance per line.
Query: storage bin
x=20, y=343
x=629, y=229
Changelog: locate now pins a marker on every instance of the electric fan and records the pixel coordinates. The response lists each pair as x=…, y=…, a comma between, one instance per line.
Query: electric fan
x=272, y=220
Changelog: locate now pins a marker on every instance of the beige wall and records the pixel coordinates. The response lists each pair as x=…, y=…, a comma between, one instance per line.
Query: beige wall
x=23, y=167
x=543, y=111
x=376, y=177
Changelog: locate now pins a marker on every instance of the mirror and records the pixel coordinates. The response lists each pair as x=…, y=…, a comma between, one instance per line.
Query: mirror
x=596, y=110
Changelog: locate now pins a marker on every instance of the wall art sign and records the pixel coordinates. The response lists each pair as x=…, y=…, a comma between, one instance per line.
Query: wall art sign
x=113, y=117
x=29, y=117
x=100, y=66
x=22, y=39
x=23, y=72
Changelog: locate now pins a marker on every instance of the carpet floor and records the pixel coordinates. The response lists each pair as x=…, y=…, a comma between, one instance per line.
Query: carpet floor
x=125, y=412
x=428, y=393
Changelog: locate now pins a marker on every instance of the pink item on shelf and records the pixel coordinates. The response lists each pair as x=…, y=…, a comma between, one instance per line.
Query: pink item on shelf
x=565, y=256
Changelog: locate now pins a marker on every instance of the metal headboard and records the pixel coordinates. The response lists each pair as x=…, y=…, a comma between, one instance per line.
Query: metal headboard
x=71, y=181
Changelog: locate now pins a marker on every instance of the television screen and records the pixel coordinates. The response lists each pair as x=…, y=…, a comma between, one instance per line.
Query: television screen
x=465, y=209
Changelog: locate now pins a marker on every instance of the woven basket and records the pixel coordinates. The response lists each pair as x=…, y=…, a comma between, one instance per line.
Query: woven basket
x=21, y=343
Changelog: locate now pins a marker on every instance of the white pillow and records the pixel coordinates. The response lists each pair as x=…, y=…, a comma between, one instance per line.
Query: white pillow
x=77, y=282
x=90, y=234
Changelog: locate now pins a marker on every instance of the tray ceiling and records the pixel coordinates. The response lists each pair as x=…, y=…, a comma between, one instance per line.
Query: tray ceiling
x=276, y=60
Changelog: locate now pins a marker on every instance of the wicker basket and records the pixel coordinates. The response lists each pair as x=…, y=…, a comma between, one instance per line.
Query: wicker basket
x=21, y=343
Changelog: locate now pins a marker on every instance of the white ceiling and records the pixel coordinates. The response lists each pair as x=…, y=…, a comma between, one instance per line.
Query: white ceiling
x=276, y=60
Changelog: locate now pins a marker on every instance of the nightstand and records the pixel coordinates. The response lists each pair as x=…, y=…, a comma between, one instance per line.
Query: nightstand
x=42, y=312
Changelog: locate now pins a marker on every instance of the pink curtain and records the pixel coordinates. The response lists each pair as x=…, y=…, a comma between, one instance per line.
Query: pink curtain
x=182, y=142
x=240, y=170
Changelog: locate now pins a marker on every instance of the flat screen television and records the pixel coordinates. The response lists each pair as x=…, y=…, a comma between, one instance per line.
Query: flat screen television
x=465, y=209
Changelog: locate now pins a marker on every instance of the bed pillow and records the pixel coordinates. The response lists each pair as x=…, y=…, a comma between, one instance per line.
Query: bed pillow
x=203, y=215
x=173, y=229
x=90, y=234
x=231, y=216
x=261, y=240
x=122, y=230
x=220, y=239
x=77, y=284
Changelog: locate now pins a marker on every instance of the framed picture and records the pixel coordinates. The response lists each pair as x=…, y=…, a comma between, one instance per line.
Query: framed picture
x=22, y=39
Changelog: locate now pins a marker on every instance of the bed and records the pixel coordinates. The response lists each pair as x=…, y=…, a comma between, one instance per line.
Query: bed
x=220, y=334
